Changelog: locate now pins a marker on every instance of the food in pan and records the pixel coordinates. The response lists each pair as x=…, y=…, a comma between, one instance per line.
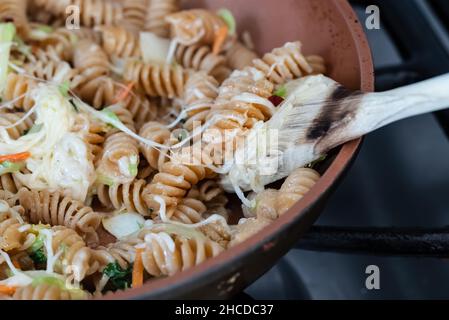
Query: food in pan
x=117, y=128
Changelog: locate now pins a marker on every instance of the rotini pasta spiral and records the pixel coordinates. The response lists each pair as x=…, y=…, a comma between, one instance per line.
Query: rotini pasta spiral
x=167, y=254
x=93, y=84
x=134, y=14
x=10, y=182
x=55, y=71
x=129, y=196
x=195, y=26
x=172, y=183
x=270, y=203
x=63, y=41
x=297, y=184
x=120, y=157
x=11, y=237
x=57, y=209
x=141, y=108
x=200, y=93
x=9, y=119
x=119, y=42
x=158, y=10
x=287, y=63
x=200, y=57
x=158, y=133
x=238, y=56
x=233, y=105
x=45, y=291
x=76, y=258
x=156, y=81
x=122, y=252
x=15, y=11
x=17, y=90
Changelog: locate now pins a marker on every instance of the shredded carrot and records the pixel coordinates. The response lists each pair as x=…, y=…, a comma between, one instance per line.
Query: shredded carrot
x=15, y=157
x=124, y=93
x=7, y=290
x=220, y=37
x=137, y=280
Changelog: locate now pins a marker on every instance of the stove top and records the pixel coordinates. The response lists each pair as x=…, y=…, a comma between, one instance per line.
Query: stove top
x=400, y=178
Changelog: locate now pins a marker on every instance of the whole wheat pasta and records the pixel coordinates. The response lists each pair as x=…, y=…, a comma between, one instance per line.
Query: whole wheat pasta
x=119, y=42
x=157, y=12
x=156, y=81
x=195, y=26
x=15, y=11
x=238, y=56
x=200, y=57
x=45, y=292
x=56, y=209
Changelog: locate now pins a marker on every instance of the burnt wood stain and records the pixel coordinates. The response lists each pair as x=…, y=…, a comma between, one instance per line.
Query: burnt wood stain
x=333, y=111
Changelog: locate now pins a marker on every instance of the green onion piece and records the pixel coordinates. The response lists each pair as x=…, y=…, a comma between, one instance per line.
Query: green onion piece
x=111, y=116
x=73, y=38
x=133, y=170
x=64, y=88
x=7, y=32
x=281, y=92
x=10, y=167
x=102, y=179
x=229, y=19
x=45, y=28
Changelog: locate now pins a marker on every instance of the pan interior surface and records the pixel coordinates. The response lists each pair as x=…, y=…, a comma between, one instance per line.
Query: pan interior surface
x=329, y=28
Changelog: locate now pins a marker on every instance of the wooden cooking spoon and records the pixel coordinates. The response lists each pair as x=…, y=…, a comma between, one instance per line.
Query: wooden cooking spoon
x=319, y=114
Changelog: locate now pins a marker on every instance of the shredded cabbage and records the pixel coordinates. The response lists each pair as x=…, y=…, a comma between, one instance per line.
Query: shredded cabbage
x=154, y=49
x=7, y=32
x=60, y=159
x=123, y=224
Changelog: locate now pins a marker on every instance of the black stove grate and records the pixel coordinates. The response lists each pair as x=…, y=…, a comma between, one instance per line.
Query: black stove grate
x=423, y=43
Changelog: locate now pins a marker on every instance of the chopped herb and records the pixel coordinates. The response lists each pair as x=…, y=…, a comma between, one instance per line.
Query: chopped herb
x=133, y=170
x=45, y=28
x=314, y=163
x=281, y=92
x=111, y=115
x=118, y=277
x=229, y=19
x=102, y=179
x=10, y=167
x=37, y=253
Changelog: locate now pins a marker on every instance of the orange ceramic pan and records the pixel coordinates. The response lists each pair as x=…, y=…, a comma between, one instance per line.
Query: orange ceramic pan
x=326, y=27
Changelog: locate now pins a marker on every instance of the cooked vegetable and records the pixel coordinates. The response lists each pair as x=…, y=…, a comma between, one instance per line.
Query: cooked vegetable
x=137, y=279
x=220, y=38
x=229, y=19
x=10, y=167
x=7, y=32
x=118, y=277
x=123, y=224
x=9, y=291
x=15, y=157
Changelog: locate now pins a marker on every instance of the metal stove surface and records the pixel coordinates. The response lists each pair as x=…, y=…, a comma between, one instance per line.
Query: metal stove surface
x=401, y=178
